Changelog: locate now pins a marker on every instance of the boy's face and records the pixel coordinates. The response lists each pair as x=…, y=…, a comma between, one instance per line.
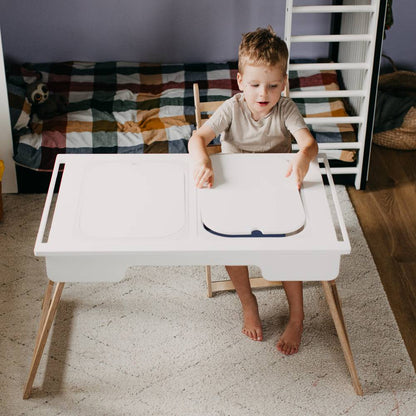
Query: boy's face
x=262, y=86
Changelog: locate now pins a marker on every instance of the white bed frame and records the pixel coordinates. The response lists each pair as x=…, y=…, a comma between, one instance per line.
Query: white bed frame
x=9, y=181
x=358, y=61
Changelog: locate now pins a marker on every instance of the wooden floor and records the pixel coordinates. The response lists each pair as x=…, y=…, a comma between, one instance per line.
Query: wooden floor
x=387, y=214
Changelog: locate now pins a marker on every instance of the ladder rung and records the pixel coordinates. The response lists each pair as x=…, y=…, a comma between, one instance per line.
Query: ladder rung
x=340, y=171
x=334, y=146
x=339, y=146
x=328, y=66
x=334, y=9
x=329, y=94
x=333, y=120
x=331, y=38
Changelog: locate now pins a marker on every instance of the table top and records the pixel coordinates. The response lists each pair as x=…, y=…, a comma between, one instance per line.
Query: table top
x=137, y=200
x=148, y=205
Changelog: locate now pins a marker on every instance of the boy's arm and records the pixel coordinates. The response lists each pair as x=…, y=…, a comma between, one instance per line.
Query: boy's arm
x=308, y=149
x=197, y=147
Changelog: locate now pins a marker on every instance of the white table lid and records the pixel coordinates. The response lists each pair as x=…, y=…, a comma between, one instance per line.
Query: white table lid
x=132, y=200
x=251, y=202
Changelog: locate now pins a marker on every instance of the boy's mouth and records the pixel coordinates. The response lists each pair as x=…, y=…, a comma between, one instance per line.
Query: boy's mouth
x=262, y=103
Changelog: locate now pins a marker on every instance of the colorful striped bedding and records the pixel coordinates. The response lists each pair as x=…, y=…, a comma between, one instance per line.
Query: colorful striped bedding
x=122, y=107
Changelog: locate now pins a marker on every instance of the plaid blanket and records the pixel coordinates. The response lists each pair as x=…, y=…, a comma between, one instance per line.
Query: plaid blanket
x=123, y=107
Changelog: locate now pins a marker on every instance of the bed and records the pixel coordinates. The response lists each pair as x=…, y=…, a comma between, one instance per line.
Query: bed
x=125, y=107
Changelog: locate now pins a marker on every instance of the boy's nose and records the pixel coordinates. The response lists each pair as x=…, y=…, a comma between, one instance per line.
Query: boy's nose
x=263, y=91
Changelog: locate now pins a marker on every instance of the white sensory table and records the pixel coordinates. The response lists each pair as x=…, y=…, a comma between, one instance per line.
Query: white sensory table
x=115, y=211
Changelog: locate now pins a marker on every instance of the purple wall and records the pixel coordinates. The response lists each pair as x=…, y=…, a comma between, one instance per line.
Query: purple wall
x=138, y=30
x=167, y=30
x=400, y=42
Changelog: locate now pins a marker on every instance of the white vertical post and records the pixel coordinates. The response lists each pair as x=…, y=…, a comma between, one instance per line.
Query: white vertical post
x=365, y=103
x=287, y=37
x=9, y=181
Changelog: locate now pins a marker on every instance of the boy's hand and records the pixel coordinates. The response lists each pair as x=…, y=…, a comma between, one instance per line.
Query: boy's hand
x=203, y=174
x=299, y=167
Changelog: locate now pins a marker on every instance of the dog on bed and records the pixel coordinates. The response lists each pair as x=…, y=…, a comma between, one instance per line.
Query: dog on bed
x=44, y=104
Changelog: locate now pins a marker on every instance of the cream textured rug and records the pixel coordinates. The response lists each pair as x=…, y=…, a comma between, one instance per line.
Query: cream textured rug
x=154, y=344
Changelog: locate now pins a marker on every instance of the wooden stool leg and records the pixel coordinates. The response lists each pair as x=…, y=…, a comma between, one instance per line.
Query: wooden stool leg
x=209, y=280
x=331, y=294
x=49, y=309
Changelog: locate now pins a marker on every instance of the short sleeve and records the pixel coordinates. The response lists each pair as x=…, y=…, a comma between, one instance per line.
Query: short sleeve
x=292, y=117
x=221, y=119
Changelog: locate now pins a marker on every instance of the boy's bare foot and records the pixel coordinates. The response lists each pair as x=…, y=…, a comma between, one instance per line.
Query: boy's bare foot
x=289, y=342
x=252, y=324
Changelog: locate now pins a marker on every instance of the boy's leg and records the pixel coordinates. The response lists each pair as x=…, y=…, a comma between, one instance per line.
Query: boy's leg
x=252, y=324
x=290, y=340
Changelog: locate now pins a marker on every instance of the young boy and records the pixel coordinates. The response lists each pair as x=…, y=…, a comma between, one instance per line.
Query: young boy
x=259, y=120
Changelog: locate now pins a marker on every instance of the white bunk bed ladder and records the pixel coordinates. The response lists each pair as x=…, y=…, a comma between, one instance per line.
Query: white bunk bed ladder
x=356, y=43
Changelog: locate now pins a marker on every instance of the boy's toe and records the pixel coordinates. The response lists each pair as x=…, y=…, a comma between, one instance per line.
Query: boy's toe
x=258, y=335
x=286, y=349
x=253, y=334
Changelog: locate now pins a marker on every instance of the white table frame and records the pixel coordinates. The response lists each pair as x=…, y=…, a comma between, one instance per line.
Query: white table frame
x=197, y=247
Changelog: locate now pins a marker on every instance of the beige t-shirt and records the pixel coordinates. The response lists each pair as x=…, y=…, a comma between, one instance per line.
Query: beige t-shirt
x=241, y=133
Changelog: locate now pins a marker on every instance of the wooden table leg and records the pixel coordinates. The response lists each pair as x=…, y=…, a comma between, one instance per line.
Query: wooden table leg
x=331, y=294
x=209, y=281
x=46, y=303
x=49, y=308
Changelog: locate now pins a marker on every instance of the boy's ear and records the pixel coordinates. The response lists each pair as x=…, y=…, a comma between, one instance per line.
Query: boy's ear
x=240, y=81
x=286, y=85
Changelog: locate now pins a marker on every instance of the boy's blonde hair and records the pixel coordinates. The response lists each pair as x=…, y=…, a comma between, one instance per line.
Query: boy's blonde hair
x=262, y=47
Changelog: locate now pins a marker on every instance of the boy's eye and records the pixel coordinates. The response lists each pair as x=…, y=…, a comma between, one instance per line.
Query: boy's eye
x=270, y=86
